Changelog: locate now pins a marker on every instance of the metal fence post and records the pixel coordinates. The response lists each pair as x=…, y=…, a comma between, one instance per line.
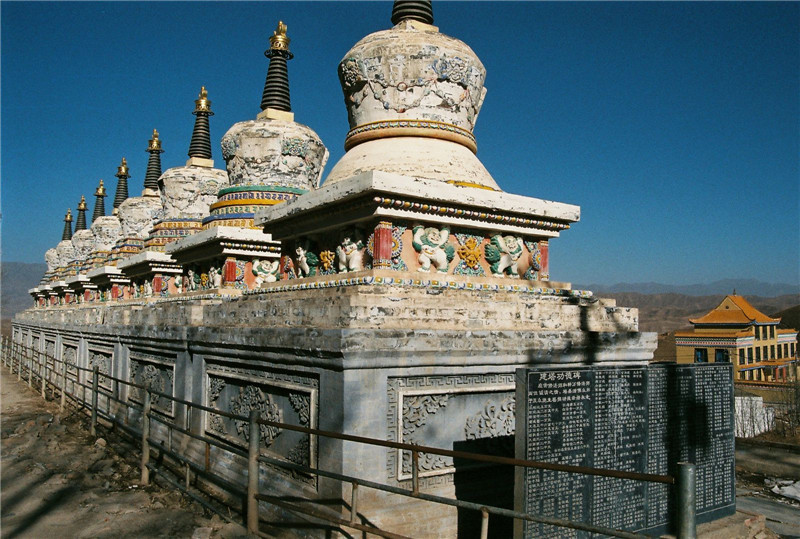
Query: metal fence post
x=685, y=514
x=354, y=503
x=43, y=372
x=415, y=472
x=145, y=435
x=252, y=475
x=63, y=385
x=95, y=376
x=484, y=523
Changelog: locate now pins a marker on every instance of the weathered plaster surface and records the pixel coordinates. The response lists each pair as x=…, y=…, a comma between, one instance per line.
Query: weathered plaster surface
x=274, y=152
x=83, y=241
x=433, y=159
x=397, y=186
x=66, y=252
x=137, y=215
x=51, y=257
x=412, y=71
x=107, y=231
x=187, y=192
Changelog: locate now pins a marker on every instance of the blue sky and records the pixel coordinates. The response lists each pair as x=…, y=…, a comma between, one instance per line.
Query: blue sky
x=673, y=125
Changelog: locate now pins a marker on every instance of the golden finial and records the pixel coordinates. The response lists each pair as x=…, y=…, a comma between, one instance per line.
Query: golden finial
x=202, y=103
x=68, y=217
x=122, y=170
x=82, y=203
x=279, y=41
x=155, y=143
x=101, y=191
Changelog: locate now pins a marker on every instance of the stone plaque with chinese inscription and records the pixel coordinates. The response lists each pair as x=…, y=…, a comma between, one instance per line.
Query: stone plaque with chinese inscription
x=639, y=419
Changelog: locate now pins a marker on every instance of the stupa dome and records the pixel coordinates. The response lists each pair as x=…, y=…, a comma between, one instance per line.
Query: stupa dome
x=52, y=259
x=272, y=158
x=107, y=230
x=421, y=89
x=276, y=152
x=83, y=242
x=66, y=252
x=412, y=72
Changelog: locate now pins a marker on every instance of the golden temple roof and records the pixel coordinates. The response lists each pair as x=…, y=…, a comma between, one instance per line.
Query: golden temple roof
x=734, y=310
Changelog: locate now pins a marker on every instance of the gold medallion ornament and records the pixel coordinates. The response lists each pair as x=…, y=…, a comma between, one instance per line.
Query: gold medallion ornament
x=154, y=143
x=202, y=103
x=470, y=253
x=326, y=259
x=279, y=41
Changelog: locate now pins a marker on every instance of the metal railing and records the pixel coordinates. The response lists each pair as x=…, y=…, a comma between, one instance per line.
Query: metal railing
x=16, y=356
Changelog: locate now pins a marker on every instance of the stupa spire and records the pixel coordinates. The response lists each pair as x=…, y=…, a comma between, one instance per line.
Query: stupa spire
x=153, y=165
x=99, y=203
x=276, y=87
x=67, y=234
x=80, y=224
x=201, y=136
x=415, y=10
x=122, y=185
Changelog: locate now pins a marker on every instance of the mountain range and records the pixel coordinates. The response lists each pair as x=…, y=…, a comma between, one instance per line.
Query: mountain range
x=743, y=287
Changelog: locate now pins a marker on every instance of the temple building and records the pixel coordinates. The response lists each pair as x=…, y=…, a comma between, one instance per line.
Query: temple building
x=735, y=331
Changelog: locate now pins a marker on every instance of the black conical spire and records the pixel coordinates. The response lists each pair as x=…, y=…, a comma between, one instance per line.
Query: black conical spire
x=153, y=163
x=99, y=203
x=415, y=10
x=80, y=224
x=276, y=87
x=201, y=137
x=67, y=234
x=122, y=185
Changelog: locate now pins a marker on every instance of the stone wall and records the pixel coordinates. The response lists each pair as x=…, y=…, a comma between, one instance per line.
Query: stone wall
x=429, y=366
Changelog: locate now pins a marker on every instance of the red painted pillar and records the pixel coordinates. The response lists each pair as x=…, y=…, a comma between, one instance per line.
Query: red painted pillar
x=544, y=248
x=114, y=291
x=229, y=273
x=158, y=283
x=382, y=246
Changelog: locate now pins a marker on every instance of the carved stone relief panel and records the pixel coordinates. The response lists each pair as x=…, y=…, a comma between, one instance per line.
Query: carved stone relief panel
x=50, y=353
x=102, y=360
x=157, y=374
x=462, y=412
x=277, y=396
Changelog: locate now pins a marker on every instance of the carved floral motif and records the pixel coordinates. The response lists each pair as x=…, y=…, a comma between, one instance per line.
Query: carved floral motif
x=532, y=273
x=493, y=421
x=416, y=410
x=252, y=398
x=469, y=251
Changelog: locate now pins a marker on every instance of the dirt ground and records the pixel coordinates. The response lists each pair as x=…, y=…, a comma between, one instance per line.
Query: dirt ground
x=58, y=481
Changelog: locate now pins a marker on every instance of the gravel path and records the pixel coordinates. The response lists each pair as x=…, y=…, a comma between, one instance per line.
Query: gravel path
x=58, y=481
